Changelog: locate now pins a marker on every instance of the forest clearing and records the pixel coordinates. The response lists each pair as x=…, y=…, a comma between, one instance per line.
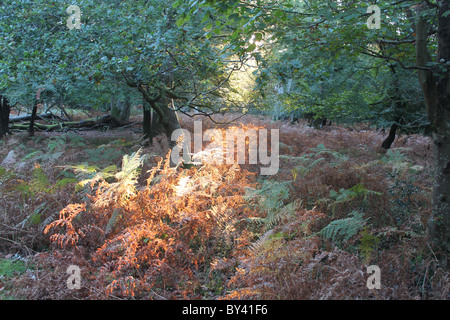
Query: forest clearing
x=224, y=150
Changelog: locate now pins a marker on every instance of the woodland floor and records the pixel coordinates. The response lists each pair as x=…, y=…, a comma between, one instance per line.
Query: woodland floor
x=338, y=204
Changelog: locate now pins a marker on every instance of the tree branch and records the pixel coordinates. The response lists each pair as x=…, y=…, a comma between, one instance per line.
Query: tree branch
x=401, y=64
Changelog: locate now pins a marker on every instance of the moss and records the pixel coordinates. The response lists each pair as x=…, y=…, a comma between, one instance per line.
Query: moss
x=10, y=268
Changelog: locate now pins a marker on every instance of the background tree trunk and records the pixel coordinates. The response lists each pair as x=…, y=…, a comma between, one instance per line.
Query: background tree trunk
x=120, y=111
x=33, y=117
x=5, y=108
x=146, y=125
x=391, y=137
x=165, y=119
x=151, y=125
x=399, y=107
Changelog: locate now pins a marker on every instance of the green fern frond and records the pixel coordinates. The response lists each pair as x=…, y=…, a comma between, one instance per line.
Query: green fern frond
x=130, y=167
x=271, y=198
x=64, y=182
x=309, y=161
x=321, y=149
x=394, y=156
x=396, y=159
x=343, y=229
x=112, y=221
x=58, y=143
x=368, y=244
x=285, y=212
x=33, y=154
x=123, y=180
x=346, y=195
x=257, y=246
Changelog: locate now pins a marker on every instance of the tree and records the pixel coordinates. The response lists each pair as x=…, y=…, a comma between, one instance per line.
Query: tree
x=174, y=68
x=403, y=107
x=135, y=47
x=35, y=51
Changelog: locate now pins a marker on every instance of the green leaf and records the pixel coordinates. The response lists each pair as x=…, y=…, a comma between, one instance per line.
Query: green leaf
x=235, y=17
x=180, y=22
x=351, y=16
x=235, y=34
x=279, y=14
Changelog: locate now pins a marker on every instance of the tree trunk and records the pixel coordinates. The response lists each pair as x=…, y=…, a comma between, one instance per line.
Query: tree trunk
x=63, y=111
x=164, y=120
x=33, y=117
x=391, y=137
x=28, y=117
x=5, y=108
x=151, y=126
x=436, y=88
x=314, y=121
x=146, y=125
x=317, y=123
x=87, y=124
x=399, y=107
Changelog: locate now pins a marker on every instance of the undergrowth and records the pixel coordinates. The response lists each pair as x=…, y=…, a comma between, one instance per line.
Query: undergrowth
x=155, y=240
x=141, y=228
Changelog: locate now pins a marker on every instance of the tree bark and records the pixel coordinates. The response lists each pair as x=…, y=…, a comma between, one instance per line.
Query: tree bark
x=5, y=108
x=436, y=88
x=163, y=119
x=151, y=126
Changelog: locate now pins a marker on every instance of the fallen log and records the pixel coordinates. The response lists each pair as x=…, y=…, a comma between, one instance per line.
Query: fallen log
x=88, y=124
x=26, y=126
x=27, y=117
